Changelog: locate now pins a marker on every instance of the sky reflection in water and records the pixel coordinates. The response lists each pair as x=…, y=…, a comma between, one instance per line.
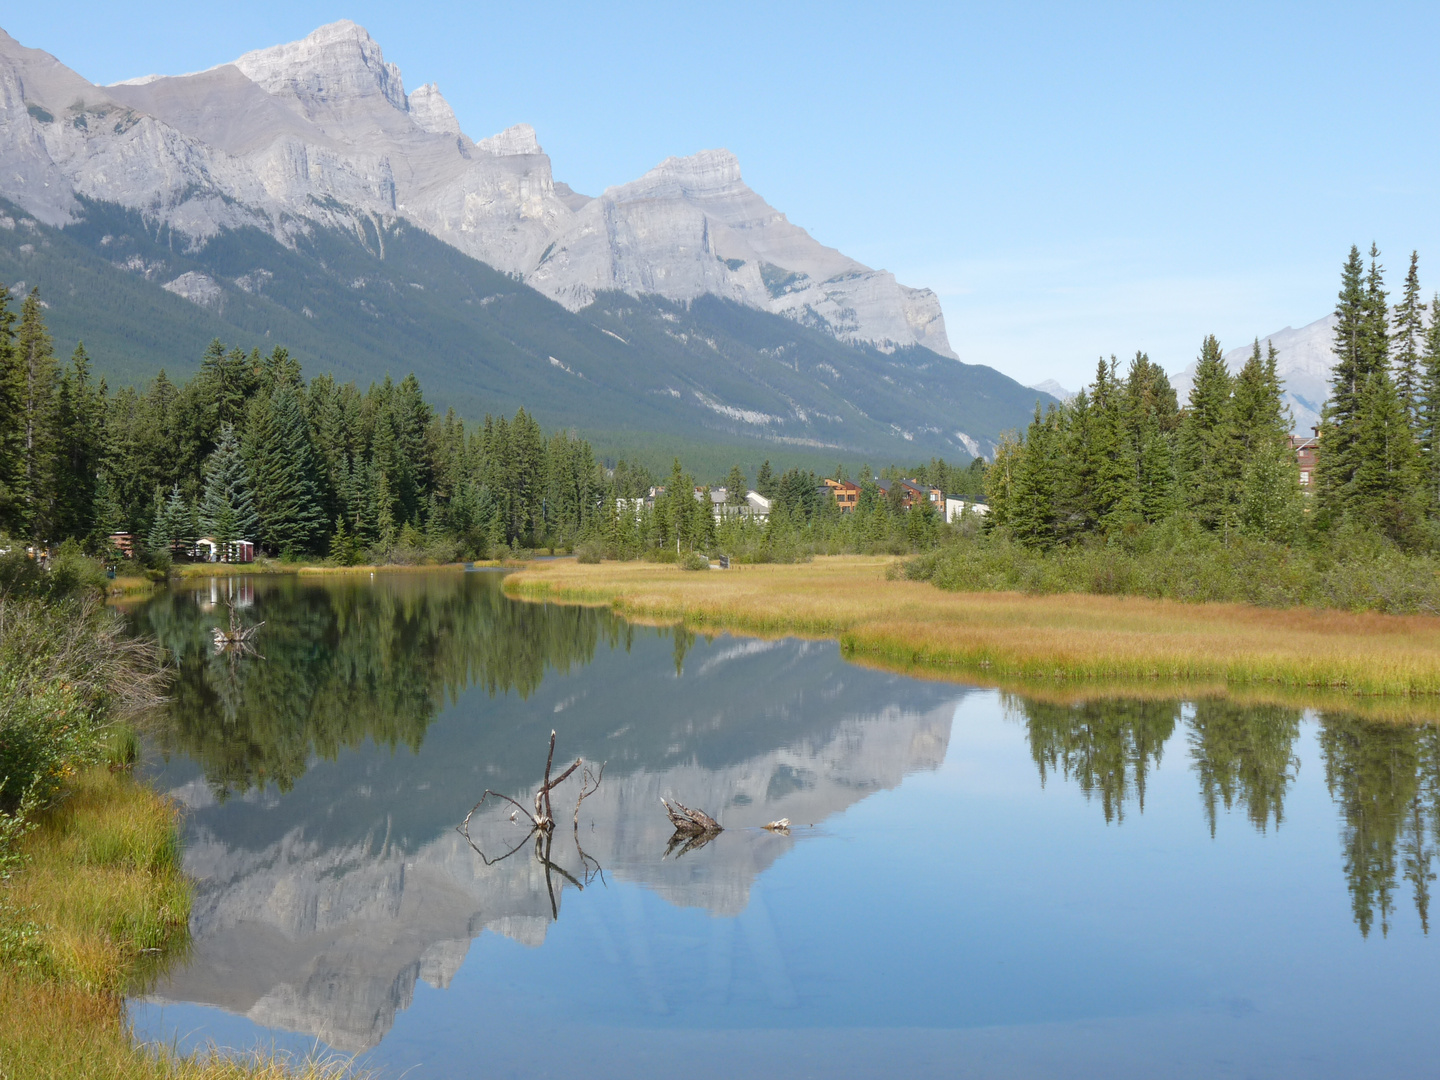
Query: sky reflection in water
x=991, y=885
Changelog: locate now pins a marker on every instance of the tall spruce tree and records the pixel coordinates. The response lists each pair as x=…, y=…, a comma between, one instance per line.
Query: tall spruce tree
x=1030, y=500
x=1361, y=347
x=1429, y=423
x=40, y=373
x=12, y=428
x=1151, y=417
x=79, y=422
x=1406, y=343
x=283, y=473
x=1207, y=444
x=227, y=512
x=1385, y=490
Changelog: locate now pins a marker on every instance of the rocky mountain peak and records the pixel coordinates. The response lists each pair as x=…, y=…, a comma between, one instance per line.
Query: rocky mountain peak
x=321, y=132
x=336, y=63
x=432, y=112
x=708, y=172
x=514, y=141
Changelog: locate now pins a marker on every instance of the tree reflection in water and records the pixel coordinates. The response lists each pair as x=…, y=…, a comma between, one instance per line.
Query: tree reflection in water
x=351, y=662
x=1384, y=777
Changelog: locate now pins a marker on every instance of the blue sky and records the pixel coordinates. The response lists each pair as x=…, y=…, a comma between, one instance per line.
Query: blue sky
x=1072, y=180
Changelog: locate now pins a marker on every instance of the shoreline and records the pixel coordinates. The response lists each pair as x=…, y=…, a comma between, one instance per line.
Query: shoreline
x=1065, y=643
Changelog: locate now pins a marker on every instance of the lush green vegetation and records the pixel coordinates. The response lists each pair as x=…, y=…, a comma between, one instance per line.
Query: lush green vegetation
x=92, y=898
x=1353, y=569
x=1122, y=491
x=248, y=450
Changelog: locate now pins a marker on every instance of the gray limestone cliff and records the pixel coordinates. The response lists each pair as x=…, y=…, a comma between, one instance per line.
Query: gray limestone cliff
x=321, y=133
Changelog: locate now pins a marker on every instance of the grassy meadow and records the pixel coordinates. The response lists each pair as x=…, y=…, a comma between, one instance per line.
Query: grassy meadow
x=1009, y=637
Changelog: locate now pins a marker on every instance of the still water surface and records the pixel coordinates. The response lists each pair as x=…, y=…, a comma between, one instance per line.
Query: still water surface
x=977, y=884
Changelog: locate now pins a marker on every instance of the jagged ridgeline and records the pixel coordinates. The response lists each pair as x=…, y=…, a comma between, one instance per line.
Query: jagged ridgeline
x=169, y=211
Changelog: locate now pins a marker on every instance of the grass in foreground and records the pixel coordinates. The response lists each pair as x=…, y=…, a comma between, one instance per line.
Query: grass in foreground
x=95, y=906
x=999, y=637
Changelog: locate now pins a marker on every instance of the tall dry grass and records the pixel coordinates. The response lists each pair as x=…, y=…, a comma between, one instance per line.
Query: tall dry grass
x=998, y=636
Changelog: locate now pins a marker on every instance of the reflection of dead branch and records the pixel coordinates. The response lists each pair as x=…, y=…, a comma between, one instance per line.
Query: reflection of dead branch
x=687, y=842
x=541, y=825
x=693, y=828
x=238, y=638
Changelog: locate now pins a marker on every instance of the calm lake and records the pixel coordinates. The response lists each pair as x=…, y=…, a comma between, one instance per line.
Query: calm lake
x=975, y=883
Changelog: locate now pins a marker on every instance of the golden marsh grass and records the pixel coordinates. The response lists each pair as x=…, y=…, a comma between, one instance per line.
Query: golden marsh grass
x=1011, y=638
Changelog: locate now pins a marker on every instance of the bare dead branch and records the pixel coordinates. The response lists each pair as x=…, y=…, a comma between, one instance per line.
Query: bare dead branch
x=589, y=784
x=690, y=822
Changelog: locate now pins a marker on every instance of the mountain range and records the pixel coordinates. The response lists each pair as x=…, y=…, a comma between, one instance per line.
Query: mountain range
x=301, y=195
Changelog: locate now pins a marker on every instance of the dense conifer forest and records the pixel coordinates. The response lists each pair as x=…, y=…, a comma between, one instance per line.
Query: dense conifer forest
x=1207, y=491
x=1124, y=454
x=248, y=449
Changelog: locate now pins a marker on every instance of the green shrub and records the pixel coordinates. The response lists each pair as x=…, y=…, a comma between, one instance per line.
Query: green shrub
x=587, y=553
x=1351, y=569
x=64, y=667
x=694, y=560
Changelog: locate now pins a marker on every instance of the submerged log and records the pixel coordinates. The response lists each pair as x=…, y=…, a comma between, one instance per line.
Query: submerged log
x=690, y=822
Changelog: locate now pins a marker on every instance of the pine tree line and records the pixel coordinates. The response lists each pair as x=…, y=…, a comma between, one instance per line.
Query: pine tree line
x=1124, y=453
x=247, y=450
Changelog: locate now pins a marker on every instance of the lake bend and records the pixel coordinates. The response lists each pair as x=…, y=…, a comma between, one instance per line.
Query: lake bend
x=974, y=882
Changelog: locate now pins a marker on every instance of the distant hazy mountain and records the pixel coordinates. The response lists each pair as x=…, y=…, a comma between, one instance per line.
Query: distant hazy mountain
x=1304, y=362
x=321, y=132
x=1054, y=389
x=300, y=196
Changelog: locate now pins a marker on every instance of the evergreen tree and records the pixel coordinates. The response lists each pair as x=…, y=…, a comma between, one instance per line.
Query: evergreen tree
x=735, y=486
x=1207, y=444
x=1429, y=420
x=1353, y=364
x=765, y=481
x=283, y=472
x=40, y=373
x=1151, y=417
x=79, y=422
x=227, y=511
x=1385, y=490
x=1406, y=343
x=1030, y=500
x=12, y=428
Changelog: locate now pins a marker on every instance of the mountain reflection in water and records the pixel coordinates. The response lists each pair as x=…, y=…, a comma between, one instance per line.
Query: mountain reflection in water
x=330, y=876
x=324, y=784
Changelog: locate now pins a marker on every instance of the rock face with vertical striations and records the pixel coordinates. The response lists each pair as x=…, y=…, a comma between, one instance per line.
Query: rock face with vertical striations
x=321, y=133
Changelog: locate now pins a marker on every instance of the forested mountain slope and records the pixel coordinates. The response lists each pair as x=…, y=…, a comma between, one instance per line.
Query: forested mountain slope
x=392, y=299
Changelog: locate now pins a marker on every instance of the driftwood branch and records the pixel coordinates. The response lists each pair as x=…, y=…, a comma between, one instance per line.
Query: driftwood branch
x=689, y=822
x=239, y=637
x=540, y=823
x=589, y=784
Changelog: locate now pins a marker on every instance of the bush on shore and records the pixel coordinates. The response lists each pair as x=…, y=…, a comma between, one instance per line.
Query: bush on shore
x=1351, y=569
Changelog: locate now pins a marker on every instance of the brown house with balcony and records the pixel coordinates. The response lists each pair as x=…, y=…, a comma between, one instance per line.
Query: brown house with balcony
x=847, y=495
